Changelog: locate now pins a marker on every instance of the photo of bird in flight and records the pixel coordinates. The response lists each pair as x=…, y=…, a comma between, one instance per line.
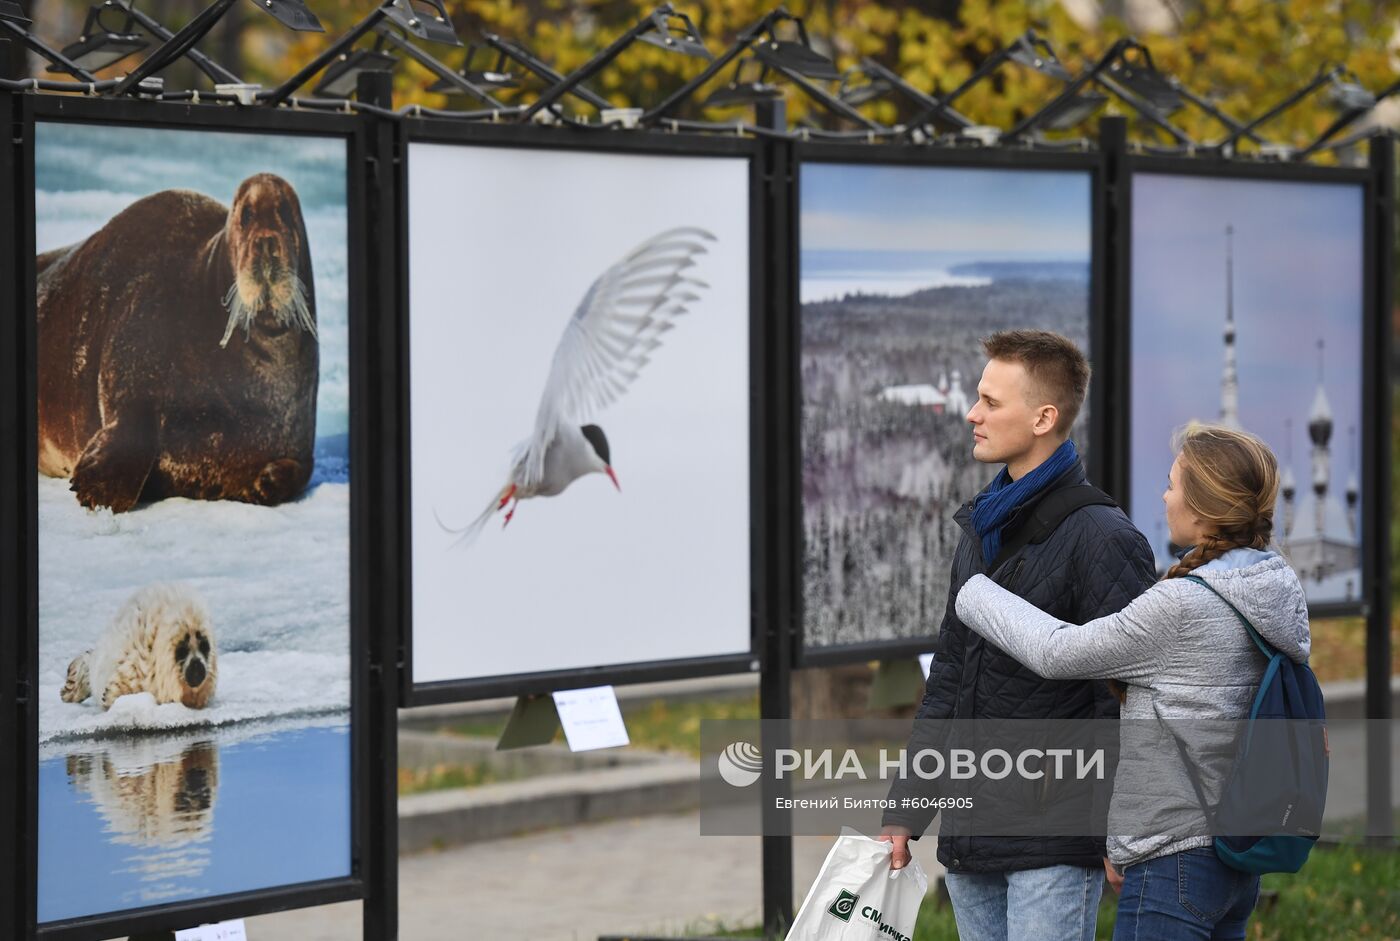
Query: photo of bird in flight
x=608, y=340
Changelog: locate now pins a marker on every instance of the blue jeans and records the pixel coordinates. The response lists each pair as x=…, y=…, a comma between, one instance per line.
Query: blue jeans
x=1060, y=902
x=1187, y=895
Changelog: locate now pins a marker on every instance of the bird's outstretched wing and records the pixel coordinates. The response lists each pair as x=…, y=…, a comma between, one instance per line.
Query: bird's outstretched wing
x=612, y=334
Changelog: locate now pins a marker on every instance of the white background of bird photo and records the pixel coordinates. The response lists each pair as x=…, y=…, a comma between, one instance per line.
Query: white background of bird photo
x=274, y=580
x=504, y=244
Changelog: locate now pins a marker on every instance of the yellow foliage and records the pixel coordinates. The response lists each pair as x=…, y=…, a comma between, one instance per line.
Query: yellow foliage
x=1245, y=55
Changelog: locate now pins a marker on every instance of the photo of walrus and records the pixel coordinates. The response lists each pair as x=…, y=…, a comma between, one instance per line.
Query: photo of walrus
x=178, y=351
x=160, y=642
x=194, y=379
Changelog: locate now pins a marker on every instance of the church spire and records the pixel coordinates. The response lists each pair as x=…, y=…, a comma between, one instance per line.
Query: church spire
x=1320, y=431
x=1229, y=379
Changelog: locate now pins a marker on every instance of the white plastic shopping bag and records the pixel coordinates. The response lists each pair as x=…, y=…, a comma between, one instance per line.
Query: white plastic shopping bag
x=857, y=896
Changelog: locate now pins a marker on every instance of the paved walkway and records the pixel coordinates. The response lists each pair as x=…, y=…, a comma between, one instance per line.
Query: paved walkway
x=653, y=874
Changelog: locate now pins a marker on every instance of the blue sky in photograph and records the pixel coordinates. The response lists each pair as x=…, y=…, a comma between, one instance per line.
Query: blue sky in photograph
x=964, y=214
x=1298, y=278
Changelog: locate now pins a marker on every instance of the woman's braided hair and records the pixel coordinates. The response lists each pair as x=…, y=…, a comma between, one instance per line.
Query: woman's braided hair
x=1229, y=480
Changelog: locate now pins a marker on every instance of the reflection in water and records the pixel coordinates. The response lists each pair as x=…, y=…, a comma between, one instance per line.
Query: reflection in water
x=158, y=796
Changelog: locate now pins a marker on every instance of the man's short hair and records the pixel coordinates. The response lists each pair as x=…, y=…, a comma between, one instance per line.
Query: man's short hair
x=1059, y=372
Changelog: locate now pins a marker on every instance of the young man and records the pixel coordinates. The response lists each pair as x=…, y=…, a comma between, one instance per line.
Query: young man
x=1091, y=563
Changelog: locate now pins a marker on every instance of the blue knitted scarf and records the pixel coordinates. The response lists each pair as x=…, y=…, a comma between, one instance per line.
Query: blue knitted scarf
x=1003, y=495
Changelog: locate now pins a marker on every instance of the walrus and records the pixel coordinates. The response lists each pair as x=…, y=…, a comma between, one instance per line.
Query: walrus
x=178, y=354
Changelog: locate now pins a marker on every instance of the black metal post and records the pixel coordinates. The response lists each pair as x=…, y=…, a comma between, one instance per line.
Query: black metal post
x=1379, y=706
x=288, y=88
x=216, y=72
x=538, y=66
x=775, y=682
x=175, y=46
x=381, y=904
x=12, y=472
x=436, y=67
x=1113, y=309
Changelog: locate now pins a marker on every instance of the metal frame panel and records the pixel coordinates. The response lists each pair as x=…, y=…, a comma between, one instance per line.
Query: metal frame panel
x=1099, y=465
x=365, y=582
x=429, y=130
x=1372, y=461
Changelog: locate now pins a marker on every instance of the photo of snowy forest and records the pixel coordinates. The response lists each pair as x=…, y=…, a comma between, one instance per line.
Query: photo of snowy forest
x=903, y=271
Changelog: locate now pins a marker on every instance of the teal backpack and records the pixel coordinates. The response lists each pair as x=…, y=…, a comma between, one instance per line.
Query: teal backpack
x=1278, y=785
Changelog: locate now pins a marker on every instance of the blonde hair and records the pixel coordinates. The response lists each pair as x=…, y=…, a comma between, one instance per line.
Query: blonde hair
x=1229, y=479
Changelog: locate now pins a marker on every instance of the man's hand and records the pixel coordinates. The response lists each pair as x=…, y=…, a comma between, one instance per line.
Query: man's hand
x=899, y=836
x=1115, y=878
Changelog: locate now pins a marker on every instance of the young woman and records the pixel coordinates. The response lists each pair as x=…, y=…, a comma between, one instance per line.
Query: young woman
x=1182, y=655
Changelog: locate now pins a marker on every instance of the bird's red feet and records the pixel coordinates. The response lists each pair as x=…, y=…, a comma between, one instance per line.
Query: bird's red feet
x=505, y=498
x=511, y=514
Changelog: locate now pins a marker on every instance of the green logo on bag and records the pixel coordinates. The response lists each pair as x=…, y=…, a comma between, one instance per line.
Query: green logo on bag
x=844, y=906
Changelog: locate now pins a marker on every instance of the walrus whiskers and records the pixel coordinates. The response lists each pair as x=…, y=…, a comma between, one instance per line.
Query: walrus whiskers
x=292, y=312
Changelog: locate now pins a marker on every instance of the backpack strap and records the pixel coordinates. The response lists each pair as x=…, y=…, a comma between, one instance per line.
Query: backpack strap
x=1264, y=646
x=1191, y=772
x=1048, y=514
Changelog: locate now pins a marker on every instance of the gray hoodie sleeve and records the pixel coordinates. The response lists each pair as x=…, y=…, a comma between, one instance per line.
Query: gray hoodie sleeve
x=1128, y=645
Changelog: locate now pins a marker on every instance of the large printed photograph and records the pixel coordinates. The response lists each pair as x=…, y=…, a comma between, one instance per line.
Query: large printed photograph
x=194, y=515
x=1247, y=310
x=903, y=271
x=579, y=339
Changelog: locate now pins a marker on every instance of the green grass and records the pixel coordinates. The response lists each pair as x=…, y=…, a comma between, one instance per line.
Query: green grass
x=1343, y=894
x=656, y=724
x=444, y=777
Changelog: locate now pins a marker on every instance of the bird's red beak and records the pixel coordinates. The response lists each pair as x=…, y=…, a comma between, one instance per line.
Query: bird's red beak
x=613, y=478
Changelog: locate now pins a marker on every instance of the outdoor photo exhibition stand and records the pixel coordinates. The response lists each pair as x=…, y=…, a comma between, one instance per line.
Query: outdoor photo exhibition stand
x=437, y=283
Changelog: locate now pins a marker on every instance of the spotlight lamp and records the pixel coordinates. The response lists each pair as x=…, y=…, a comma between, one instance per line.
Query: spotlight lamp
x=293, y=14
x=798, y=56
x=663, y=27
x=426, y=19
x=1072, y=111
x=674, y=31
x=739, y=92
x=100, y=45
x=495, y=77
x=867, y=87
x=1029, y=50
x=793, y=59
x=11, y=11
x=342, y=76
x=1143, y=79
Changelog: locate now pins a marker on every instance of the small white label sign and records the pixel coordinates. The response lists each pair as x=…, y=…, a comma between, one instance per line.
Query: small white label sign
x=591, y=718
x=223, y=931
x=925, y=663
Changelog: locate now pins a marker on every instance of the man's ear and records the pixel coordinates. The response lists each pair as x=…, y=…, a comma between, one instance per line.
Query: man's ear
x=1045, y=418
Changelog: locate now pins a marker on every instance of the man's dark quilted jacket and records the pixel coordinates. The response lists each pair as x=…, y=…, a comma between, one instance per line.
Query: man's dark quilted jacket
x=1093, y=564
